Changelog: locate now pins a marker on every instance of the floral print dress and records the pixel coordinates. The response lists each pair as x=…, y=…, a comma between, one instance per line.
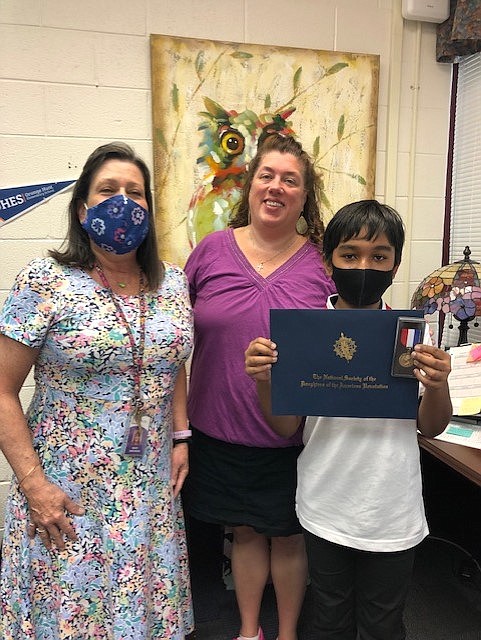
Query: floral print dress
x=126, y=577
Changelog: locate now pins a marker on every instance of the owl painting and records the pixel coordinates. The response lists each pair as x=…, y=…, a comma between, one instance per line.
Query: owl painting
x=229, y=142
x=214, y=101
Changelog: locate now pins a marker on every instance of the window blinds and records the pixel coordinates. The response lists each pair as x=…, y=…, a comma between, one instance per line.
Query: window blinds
x=466, y=177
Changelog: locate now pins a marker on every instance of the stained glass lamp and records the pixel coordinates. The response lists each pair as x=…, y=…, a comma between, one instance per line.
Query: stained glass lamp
x=454, y=288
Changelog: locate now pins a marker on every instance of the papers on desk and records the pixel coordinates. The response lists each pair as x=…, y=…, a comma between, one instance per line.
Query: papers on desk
x=465, y=379
x=465, y=389
x=462, y=433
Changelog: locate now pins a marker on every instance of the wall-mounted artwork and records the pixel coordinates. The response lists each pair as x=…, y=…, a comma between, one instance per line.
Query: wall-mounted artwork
x=211, y=103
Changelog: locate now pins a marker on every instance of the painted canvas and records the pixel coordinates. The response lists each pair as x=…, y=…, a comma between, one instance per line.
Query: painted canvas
x=212, y=101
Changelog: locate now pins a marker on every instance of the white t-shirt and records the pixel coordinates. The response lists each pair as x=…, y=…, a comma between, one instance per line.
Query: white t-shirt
x=359, y=482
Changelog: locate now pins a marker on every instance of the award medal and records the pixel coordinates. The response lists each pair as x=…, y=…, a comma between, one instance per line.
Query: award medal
x=408, y=337
x=135, y=439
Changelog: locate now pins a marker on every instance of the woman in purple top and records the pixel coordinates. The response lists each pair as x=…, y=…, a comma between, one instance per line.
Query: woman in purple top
x=241, y=473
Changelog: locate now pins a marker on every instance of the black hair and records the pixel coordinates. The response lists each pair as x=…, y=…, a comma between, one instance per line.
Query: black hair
x=369, y=217
x=76, y=249
x=312, y=184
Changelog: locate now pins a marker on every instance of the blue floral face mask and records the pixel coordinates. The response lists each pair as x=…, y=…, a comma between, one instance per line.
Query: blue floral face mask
x=118, y=224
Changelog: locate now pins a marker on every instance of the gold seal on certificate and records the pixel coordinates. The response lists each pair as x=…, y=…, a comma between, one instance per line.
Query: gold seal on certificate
x=345, y=347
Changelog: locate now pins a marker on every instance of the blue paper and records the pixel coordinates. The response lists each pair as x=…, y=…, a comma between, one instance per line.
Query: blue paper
x=338, y=363
x=455, y=430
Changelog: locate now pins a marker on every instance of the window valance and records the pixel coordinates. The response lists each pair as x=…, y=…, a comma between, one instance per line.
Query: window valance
x=460, y=34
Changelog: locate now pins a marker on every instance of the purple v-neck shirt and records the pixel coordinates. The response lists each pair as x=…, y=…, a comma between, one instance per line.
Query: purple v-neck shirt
x=231, y=303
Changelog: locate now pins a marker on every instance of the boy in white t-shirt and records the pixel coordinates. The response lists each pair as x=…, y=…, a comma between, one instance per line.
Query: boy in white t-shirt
x=359, y=493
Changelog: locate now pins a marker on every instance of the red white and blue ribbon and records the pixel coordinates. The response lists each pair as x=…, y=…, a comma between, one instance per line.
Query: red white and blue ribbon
x=410, y=337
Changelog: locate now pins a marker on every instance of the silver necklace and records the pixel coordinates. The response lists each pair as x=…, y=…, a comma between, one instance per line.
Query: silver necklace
x=260, y=266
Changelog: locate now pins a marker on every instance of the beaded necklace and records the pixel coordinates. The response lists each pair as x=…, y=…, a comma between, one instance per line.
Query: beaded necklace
x=137, y=350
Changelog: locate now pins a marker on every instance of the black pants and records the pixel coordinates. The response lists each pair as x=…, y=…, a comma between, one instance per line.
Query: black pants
x=358, y=594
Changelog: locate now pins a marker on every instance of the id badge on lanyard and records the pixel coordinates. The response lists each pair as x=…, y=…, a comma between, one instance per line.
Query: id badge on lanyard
x=135, y=439
x=136, y=435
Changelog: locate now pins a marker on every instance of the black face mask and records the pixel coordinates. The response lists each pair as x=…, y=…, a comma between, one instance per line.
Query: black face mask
x=361, y=287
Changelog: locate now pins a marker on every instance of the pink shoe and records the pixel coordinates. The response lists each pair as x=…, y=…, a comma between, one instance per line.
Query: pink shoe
x=260, y=634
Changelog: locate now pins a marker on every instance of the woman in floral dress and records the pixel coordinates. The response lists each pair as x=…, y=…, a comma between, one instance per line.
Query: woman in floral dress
x=94, y=544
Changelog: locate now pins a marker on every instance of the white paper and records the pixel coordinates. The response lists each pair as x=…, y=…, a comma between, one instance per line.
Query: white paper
x=465, y=380
x=463, y=433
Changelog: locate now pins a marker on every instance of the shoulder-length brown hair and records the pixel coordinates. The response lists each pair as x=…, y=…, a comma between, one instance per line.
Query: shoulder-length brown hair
x=312, y=185
x=75, y=249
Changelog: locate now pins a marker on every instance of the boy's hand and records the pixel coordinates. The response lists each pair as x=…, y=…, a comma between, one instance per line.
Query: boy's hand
x=432, y=365
x=259, y=356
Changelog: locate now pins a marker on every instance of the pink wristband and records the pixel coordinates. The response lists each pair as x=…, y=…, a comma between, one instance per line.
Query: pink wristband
x=186, y=433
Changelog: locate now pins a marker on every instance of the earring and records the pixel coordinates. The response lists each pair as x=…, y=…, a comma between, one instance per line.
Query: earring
x=301, y=225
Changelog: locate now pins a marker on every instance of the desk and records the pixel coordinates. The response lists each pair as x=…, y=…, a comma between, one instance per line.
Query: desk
x=465, y=460
x=452, y=492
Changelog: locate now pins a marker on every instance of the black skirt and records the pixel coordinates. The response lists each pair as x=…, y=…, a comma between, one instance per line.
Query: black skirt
x=233, y=485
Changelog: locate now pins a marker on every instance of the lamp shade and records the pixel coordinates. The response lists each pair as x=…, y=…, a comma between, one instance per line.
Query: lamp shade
x=454, y=288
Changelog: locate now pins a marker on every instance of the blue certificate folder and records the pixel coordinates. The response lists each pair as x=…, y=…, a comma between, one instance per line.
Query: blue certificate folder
x=335, y=362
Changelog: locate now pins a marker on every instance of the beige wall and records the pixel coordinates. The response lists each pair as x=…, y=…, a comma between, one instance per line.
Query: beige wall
x=77, y=74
